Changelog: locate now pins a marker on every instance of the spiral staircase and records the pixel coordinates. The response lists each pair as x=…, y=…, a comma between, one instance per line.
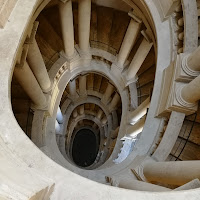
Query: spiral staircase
x=99, y=99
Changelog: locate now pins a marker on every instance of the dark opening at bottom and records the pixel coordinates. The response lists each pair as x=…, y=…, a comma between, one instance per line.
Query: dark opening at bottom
x=85, y=148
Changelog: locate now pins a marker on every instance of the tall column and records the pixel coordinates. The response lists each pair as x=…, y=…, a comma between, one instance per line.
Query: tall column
x=139, y=112
x=190, y=92
x=173, y=172
x=104, y=120
x=59, y=116
x=137, y=128
x=108, y=93
x=128, y=42
x=84, y=15
x=66, y=18
x=38, y=67
x=99, y=114
x=192, y=60
x=75, y=113
x=81, y=110
x=138, y=59
x=27, y=80
x=114, y=102
x=82, y=85
x=72, y=88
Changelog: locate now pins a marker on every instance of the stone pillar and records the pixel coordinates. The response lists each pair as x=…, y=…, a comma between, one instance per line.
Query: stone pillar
x=38, y=67
x=59, y=116
x=104, y=120
x=115, y=133
x=72, y=88
x=190, y=93
x=84, y=15
x=75, y=113
x=138, y=59
x=128, y=42
x=114, y=102
x=27, y=80
x=173, y=172
x=137, y=128
x=108, y=93
x=131, y=184
x=99, y=114
x=139, y=112
x=81, y=110
x=191, y=61
x=83, y=85
x=66, y=18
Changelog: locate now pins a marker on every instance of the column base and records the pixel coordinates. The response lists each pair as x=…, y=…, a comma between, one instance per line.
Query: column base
x=183, y=72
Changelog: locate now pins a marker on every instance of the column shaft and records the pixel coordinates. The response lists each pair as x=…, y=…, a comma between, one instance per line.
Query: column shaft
x=75, y=113
x=38, y=67
x=138, y=59
x=84, y=15
x=81, y=110
x=191, y=93
x=66, y=17
x=82, y=85
x=128, y=42
x=193, y=60
x=99, y=114
x=27, y=80
x=137, y=128
x=114, y=101
x=139, y=112
x=108, y=93
x=175, y=173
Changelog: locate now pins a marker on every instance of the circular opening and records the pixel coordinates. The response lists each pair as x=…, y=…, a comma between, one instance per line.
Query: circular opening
x=85, y=147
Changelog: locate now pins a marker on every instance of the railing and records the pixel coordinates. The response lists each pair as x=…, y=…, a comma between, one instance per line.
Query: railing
x=183, y=140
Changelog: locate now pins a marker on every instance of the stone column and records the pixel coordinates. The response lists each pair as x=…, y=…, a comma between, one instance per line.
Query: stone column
x=59, y=116
x=72, y=88
x=99, y=114
x=191, y=61
x=108, y=93
x=138, y=59
x=38, y=67
x=104, y=120
x=139, y=112
x=81, y=110
x=128, y=42
x=27, y=80
x=84, y=15
x=66, y=18
x=190, y=93
x=173, y=172
x=82, y=85
x=115, y=133
x=114, y=102
x=132, y=184
x=137, y=128
x=75, y=113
